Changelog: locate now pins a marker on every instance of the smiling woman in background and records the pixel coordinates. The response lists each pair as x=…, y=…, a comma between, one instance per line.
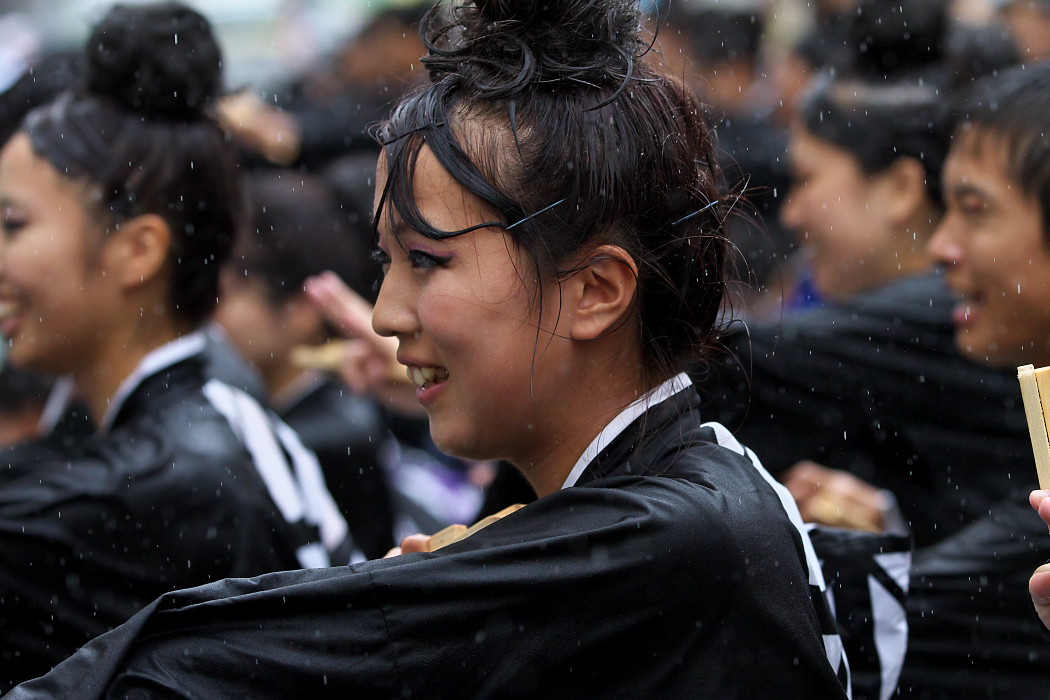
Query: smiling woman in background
x=120, y=200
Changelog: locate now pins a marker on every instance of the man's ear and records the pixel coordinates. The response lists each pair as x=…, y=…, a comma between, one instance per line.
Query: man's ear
x=602, y=292
x=137, y=250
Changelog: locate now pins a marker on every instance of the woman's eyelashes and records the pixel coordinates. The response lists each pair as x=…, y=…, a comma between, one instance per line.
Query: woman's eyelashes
x=380, y=257
x=419, y=259
x=10, y=224
x=422, y=260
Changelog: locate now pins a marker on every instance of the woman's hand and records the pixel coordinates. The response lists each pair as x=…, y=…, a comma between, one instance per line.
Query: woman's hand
x=271, y=132
x=834, y=497
x=413, y=543
x=369, y=361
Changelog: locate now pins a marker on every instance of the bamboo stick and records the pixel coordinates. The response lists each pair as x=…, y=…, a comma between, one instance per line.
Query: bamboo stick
x=1035, y=390
x=455, y=533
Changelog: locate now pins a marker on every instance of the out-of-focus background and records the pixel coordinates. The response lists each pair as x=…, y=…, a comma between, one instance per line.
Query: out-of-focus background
x=267, y=41
x=264, y=40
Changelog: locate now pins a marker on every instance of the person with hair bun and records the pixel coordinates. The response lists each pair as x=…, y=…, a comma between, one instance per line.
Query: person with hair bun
x=120, y=201
x=551, y=230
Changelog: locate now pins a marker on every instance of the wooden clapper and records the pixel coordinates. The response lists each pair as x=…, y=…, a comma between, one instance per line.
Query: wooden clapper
x=1035, y=390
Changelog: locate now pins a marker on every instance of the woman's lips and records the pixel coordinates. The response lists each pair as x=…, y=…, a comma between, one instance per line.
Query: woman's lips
x=8, y=314
x=426, y=377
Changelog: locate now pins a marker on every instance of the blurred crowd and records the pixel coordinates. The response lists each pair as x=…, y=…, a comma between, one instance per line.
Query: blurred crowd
x=834, y=119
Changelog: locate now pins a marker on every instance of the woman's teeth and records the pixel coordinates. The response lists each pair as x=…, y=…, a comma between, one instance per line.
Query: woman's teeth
x=7, y=309
x=424, y=377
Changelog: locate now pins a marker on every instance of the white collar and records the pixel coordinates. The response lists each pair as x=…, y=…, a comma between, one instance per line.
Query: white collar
x=617, y=425
x=158, y=359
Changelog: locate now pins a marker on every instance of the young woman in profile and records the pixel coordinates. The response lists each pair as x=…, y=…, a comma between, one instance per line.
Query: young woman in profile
x=551, y=232
x=119, y=204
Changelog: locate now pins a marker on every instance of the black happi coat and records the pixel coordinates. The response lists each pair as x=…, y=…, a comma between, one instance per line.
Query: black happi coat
x=90, y=533
x=671, y=570
x=347, y=433
x=876, y=386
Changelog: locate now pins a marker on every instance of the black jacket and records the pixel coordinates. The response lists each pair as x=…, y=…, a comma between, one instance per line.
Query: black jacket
x=876, y=387
x=166, y=497
x=671, y=570
x=347, y=433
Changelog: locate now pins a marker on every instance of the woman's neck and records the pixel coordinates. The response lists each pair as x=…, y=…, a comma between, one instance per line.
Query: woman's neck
x=120, y=355
x=911, y=250
x=575, y=420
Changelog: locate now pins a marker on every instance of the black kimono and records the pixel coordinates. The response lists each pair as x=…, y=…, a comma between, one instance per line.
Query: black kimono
x=672, y=569
x=875, y=386
x=165, y=496
x=347, y=433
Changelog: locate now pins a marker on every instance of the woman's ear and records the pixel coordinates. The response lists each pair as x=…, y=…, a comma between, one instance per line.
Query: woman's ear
x=904, y=184
x=137, y=250
x=602, y=292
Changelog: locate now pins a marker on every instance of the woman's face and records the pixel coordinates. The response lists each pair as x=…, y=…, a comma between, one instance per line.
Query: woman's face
x=837, y=212
x=487, y=366
x=993, y=245
x=53, y=292
x=254, y=323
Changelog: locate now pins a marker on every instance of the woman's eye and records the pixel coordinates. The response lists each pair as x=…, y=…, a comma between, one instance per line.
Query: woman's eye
x=379, y=257
x=426, y=261
x=11, y=225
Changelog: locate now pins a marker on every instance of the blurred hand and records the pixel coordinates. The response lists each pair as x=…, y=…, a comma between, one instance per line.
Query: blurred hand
x=1039, y=584
x=834, y=497
x=263, y=128
x=369, y=364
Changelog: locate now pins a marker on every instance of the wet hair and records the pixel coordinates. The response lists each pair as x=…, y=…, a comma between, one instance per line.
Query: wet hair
x=40, y=84
x=352, y=178
x=973, y=52
x=1012, y=111
x=551, y=113
x=895, y=37
x=878, y=122
x=138, y=130
x=718, y=35
x=296, y=230
x=882, y=95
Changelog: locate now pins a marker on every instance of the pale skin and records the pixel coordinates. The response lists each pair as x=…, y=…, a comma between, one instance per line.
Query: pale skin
x=77, y=299
x=860, y=230
x=515, y=381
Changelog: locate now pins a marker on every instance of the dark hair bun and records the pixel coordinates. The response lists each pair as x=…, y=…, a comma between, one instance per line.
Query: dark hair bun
x=894, y=37
x=501, y=46
x=160, y=59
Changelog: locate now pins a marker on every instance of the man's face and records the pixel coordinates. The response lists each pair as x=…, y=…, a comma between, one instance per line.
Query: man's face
x=993, y=246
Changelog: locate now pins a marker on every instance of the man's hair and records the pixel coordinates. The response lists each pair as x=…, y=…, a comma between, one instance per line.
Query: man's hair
x=1013, y=108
